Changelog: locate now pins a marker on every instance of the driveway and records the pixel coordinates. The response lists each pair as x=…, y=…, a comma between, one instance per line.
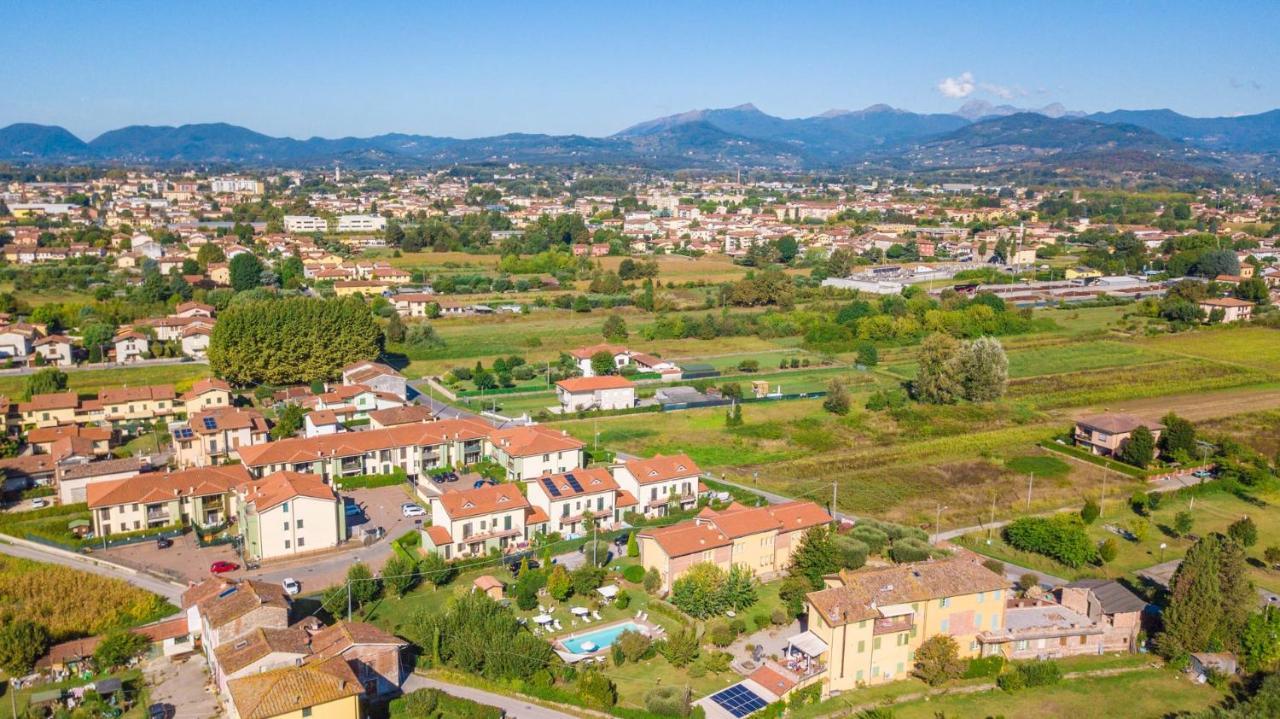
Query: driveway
x=514, y=707
x=186, y=561
x=182, y=687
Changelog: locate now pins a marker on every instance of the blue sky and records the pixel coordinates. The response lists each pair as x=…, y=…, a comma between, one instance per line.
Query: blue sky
x=469, y=69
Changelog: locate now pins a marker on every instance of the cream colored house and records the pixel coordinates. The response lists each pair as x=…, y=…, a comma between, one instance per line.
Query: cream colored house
x=288, y=513
x=120, y=405
x=606, y=392
x=327, y=689
x=866, y=625
x=49, y=410
x=207, y=393
x=213, y=436
x=535, y=450
x=660, y=482
x=202, y=497
x=131, y=346
x=55, y=350
x=470, y=522
x=571, y=498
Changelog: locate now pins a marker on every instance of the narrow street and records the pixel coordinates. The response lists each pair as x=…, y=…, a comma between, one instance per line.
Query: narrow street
x=514, y=707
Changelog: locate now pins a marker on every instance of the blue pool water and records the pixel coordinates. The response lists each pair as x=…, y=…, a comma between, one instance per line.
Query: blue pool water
x=602, y=638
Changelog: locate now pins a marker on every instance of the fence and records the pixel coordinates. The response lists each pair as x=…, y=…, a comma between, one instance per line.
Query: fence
x=724, y=402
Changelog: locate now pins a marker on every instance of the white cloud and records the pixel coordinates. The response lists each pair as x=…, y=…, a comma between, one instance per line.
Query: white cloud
x=999, y=91
x=960, y=86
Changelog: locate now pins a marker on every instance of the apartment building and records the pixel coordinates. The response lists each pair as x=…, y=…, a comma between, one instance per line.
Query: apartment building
x=305, y=223
x=470, y=522
x=287, y=513
x=533, y=450
x=210, y=393
x=202, y=497
x=122, y=405
x=49, y=410
x=759, y=538
x=659, y=482
x=361, y=223
x=1106, y=434
x=570, y=499
x=606, y=392
x=212, y=436
x=866, y=625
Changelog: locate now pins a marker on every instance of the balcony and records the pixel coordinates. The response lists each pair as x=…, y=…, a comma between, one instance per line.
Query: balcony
x=893, y=625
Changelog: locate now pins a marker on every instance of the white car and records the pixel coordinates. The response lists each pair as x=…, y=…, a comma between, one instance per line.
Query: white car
x=409, y=509
x=42, y=502
x=291, y=586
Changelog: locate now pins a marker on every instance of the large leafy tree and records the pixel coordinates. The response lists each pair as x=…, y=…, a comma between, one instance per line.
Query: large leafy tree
x=815, y=557
x=938, y=660
x=700, y=591
x=246, y=271
x=937, y=379
x=478, y=636
x=1178, y=437
x=291, y=341
x=1140, y=449
x=44, y=381
x=22, y=641
x=984, y=370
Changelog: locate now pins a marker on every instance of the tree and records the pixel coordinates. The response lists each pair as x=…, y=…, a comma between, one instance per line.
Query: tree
x=633, y=546
x=476, y=635
x=615, y=329
x=837, y=399
x=117, y=648
x=1140, y=449
x=680, y=647
x=815, y=557
x=937, y=381
x=395, y=331
x=210, y=253
x=741, y=589
x=1090, y=511
x=1107, y=550
x=44, y=381
x=22, y=642
x=422, y=336
x=246, y=271
x=852, y=552
x=652, y=580
x=597, y=690
x=1217, y=262
x=364, y=587
x=984, y=370
x=868, y=355
x=1272, y=556
x=699, y=592
x=436, y=570
x=1183, y=522
x=938, y=660
x=1178, y=437
x=1061, y=537
x=291, y=341
x=1244, y=531
x=289, y=421
x=559, y=584
x=1261, y=641
x=602, y=363
x=1208, y=581
x=400, y=574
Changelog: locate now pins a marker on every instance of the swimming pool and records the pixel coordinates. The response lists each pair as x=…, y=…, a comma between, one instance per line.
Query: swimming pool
x=603, y=637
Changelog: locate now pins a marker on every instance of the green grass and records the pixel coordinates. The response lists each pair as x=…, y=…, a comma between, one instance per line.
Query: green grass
x=1252, y=346
x=1065, y=355
x=134, y=687
x=1143, y=694
x=89, y=381
x=1094, y=387
x=1040, y=465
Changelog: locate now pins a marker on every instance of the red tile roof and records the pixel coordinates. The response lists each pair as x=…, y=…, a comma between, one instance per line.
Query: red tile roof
x=484, y=500
x=661, y=469
x=579, y=385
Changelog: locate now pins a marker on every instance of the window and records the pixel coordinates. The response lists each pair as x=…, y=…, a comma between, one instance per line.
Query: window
x=977, y=619
x=135, y=507
x=982, y=596
x=995, y=621
x=506, y=522
x=286, y=544
x=298, y=524
x=302, y=541
x=875, y=643
x=1022, y=644
x=858, y=676
x=284, y=507
x=944, y=602
x=945, y=626
x=862, y=645
x=286, y=526
x=899, y=669
x=306, y=711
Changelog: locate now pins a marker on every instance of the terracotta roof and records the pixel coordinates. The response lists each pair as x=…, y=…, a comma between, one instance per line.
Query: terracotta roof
x=687, y=538
x=373, y=372
x=279, y=487
x=660, y=468
x=103, y=467
x=484, y=500
x=44, y=435
x=439, y=535
x=68, y=651
x=334, y=640
x=587, y=352
x=740, y=521
x=590, y=481
x=865, y=590
x=27, y=465
x=625, y=499
x=1226, y=302
x=223, y=418
x=51, y=400
x=167, y=629
x=407, y=414
x=488, y=581
x=204, y=590
x=292, y=689
x=260, y=642
x=166, y=486
x=772, y=680
x=578, y=385
x=532, y=439
x=209, y=384
x=306, y=449
x=535, y=515
x=229, y=605
x=121, y=395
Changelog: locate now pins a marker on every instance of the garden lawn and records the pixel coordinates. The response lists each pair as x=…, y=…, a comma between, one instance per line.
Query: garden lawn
x=1142, y=694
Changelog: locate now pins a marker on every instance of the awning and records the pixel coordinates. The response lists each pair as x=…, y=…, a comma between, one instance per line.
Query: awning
x=809, y=643
x=608, y=591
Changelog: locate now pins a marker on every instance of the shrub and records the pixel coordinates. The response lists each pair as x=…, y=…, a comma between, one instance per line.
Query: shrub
x=597, y=690
x=668, y=701
x=652, y=580
x=875, y=538
x=622, y=601
x=779, y=616
x=938, y=660
x=634, y=645
x=995, y=565
x=909, y=550
x=633, y=573
x=1107, y=550
x=760, y=621
x=852, y=553
x=980, y=667
x=1061, y=537
x=1244, y=531
x=1040, y=674
x=1090, y=511
x=720, y=633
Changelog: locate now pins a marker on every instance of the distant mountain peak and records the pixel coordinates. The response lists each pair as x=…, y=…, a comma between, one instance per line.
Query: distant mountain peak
x=746, y=107
x=978, y=109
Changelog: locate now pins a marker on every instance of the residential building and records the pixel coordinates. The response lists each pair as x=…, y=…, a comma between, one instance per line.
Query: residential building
x=123, y=405
x=758, y=538
x=213, y=436
x=414, y=304
x=287, y=513
x=621, y=357
x=606, y=392
x=394, y=416
x=49, y=410
x=18, y=340
x=534, y=450
x=200, y=497
x=130, y=346
x=1106, y=434
x=55, y=350
x=659, y=482
x=376, y=376
x=44, y=440
x=375, y=656
x=209, y=393
x=73, y=479
x=571, y=498
x=866, y=625
x=326, y=689
x=1232, y=309
x=305, y=223
x=470, y=522
x=259, y=650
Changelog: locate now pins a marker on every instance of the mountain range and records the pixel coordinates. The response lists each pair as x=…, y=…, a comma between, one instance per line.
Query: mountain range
x=977, y=135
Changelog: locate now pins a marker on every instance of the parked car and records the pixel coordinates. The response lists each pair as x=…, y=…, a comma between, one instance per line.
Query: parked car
x=514, y=566
x=409, y=509
x=39, y=502
x=291, y=586
x=481, y=483
x=222, y=567
x=620, y=540
x=1202, y=474
x=163, y=542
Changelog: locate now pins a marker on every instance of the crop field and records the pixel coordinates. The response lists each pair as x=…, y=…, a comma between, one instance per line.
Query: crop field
x=1255, y=347
x=73, y=603
x=1059, y=357
x=89, y=381
x=1258, y=430
x=1105, y=386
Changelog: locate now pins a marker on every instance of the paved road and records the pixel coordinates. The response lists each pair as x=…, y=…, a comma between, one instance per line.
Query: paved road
x=517, y=708
x=168, y=590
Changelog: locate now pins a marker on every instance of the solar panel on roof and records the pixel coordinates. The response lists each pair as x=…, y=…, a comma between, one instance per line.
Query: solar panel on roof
x=552, y=489
x=739, y=701
x=210, y=423
x=573, y=482
x=182, y=433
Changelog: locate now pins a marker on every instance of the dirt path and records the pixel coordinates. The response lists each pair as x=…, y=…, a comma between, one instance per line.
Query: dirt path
x=1194, y=407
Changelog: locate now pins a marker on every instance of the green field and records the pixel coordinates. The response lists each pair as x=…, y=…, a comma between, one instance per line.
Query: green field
x=1253, y=346
x=89, y=381
x=1059, y=357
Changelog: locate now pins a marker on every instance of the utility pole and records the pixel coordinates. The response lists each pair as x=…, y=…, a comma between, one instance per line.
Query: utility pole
x=1030, y=482
x=834, y=489
x=348, y=599
x=992, y=525
x=937, y=525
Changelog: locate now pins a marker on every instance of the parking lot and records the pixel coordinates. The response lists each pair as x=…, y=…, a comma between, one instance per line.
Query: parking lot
x=185, y=561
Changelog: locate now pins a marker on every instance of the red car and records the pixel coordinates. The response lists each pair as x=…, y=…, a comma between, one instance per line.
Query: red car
x=223, y=567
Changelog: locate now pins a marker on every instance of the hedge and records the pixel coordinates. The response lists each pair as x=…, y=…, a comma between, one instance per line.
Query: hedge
x=1092, y=458
x=370, y=481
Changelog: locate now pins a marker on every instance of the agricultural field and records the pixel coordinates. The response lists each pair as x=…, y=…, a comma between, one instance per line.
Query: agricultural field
x=1257, y=430
x=1212, y=509
x=89, y=381
x=1061, y=357
x=1253, y=347
x=72, y=603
